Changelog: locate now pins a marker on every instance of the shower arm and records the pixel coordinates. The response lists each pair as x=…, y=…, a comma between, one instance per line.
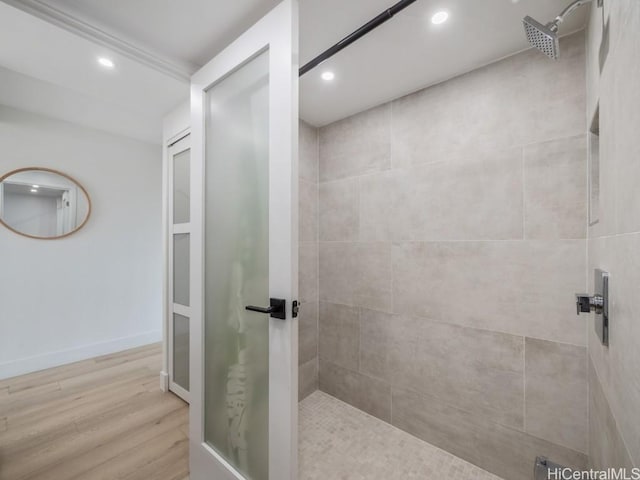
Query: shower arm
x=567, y=11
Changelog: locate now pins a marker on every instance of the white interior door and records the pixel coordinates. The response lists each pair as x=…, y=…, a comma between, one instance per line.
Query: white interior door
x=244, y=109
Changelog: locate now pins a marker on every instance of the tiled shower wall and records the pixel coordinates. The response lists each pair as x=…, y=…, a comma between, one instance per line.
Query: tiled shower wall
x=452, y=238
x=614, y=242
x=308, y=261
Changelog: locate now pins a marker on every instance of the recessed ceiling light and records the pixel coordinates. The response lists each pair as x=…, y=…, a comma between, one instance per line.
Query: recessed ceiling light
x=34, y=190
x=35, y=186
x=439, y=17
x=105, y=62
x=328, y=76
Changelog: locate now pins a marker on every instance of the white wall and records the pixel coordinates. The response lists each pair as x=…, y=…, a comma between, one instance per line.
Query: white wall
x=99, y=290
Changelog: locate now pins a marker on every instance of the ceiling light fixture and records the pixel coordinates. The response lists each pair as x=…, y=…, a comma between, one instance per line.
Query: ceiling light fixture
x=328, y=76
x=35, y=186
x=105, y=62
x=439, y=17
x=34, y=190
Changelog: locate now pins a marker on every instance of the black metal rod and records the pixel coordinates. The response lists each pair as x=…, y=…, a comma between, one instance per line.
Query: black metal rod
x=359, y=33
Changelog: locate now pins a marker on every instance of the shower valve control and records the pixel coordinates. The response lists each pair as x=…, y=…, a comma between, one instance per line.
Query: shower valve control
x=586, y=303
x=598, y=303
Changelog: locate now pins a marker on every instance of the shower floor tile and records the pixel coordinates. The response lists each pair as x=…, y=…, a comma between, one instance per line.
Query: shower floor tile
x=340, y=442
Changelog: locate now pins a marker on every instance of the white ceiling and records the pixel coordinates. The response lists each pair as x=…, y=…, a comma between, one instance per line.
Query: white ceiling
x=408, y=52
x=48, y=70
x=401, y=56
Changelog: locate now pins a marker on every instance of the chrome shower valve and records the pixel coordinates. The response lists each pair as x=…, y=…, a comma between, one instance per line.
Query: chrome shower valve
x=586, y=303
x=597, y=303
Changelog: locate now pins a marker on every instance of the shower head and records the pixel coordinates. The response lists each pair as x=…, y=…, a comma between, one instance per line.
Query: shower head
x=543, y=37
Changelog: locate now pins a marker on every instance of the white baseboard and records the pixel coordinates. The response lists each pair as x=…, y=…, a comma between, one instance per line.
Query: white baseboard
x=164, y=381
x=54, y=359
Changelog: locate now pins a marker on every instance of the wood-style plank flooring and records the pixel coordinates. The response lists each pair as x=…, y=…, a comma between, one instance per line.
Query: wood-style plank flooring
x=100, y=419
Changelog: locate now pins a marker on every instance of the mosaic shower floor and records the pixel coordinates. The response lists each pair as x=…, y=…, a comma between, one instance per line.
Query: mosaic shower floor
x=340, y=442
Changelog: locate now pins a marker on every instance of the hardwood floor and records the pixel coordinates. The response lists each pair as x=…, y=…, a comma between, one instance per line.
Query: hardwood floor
x=99, y=419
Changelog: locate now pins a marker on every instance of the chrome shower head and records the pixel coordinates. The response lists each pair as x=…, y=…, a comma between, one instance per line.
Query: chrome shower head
x=543, y=37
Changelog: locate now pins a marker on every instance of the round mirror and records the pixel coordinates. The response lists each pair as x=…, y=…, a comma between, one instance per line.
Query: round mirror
x=42, y=203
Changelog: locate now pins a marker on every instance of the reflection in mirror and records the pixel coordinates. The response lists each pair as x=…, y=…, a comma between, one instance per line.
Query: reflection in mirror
x=42, y=203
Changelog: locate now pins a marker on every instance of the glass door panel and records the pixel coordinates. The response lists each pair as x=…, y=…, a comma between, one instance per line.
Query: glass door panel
x=181, y=269
x=179, y=265
x=181, y=351
x=237, y=268
x=181, y=188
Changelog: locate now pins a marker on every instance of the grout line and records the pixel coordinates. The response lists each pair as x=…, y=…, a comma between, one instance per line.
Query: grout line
x=614, y=235
x=443, y=322
x=391, y=156
x=457, y=157
x=454, y=240
x=524, y=197
x=359, y=219
x=524, y=384
x=359, y=339
x=317, y=161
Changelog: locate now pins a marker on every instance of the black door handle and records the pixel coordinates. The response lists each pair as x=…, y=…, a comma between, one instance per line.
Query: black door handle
x=277, y=308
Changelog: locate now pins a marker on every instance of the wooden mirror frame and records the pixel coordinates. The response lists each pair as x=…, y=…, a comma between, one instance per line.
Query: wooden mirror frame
x=57, y=172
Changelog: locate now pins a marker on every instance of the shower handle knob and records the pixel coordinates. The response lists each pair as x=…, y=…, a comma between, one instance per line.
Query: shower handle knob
x=586, y=303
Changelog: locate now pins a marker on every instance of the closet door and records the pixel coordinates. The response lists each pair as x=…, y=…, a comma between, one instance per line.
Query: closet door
x=244, y=121
x=179, y=266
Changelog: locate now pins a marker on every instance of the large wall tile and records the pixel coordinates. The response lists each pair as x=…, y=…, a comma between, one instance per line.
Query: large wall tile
x=624, y=338
x=307, y=378
x=625, y=97
x=307, y=332
x=504, y=451
x=522, y=288
x=308, y=260
x=339, y=335
x=363, y=392
x=473, y=198
x=308, y=211
x=477, y=370
x=338, y=272
x=606, y=446
x=356, y=274
x=339, y=205
x=308, y=152
x=520, y=100
x=374, y=281
x=556, y=404
x=356, y=145
x=555, y=189
x=308, y=272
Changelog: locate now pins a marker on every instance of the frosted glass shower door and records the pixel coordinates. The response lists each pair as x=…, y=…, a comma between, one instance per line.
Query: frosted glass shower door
x=243, y=422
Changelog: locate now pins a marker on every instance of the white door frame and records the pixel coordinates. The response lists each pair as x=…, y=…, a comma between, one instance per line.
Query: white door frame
x=176, y=147
x=277, y=32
